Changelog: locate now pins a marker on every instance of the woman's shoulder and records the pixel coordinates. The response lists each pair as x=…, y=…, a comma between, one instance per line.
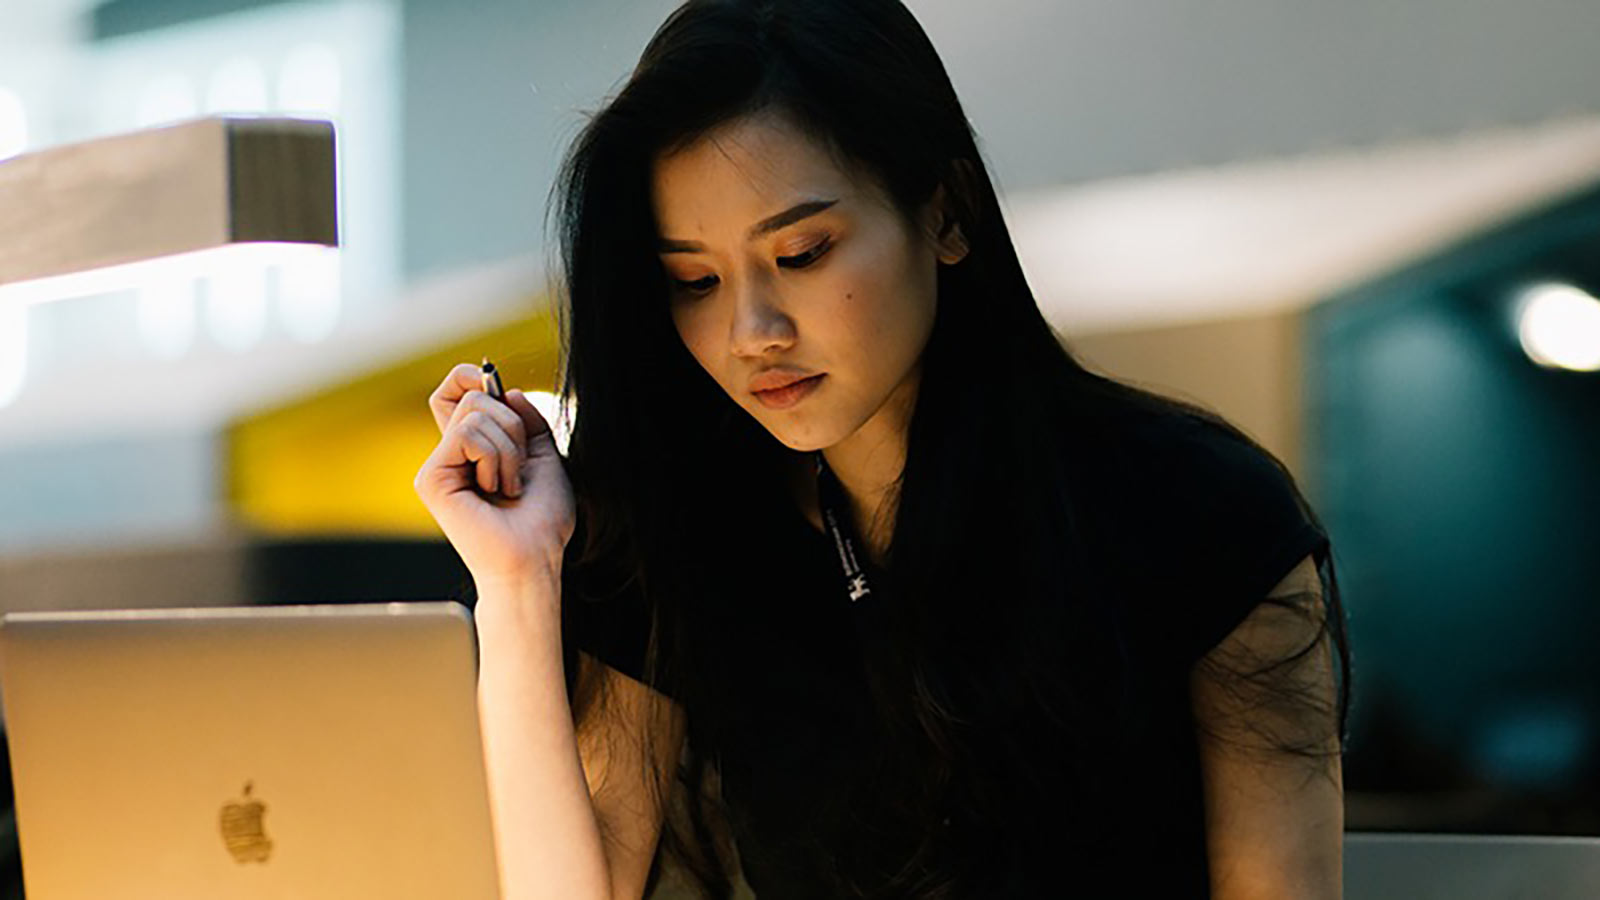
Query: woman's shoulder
x=1177, y=456
x=1184, y=504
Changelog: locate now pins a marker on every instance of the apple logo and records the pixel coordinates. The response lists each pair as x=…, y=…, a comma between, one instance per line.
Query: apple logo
x=242, y=831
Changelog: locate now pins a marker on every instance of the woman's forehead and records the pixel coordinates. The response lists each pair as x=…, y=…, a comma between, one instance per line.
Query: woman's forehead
x=741, y=170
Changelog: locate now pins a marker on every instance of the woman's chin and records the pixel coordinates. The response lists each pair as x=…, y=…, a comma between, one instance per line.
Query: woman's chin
x=797, y=444
x=798, y=440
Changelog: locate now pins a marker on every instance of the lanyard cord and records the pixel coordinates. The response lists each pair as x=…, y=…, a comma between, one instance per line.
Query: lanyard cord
x=830, y=497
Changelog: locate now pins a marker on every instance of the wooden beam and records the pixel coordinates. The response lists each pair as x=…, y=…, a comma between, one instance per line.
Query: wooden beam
x=191, y=186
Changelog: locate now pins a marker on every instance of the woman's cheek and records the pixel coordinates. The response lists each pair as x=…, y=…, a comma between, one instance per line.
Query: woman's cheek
x=691, y=332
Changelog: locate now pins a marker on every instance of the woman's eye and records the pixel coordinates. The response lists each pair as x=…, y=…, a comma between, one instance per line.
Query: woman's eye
x=704, y=285
x=698, y=286
x=806, y=258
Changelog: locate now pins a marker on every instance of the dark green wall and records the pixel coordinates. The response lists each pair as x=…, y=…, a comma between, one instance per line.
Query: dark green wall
x=1461, y=486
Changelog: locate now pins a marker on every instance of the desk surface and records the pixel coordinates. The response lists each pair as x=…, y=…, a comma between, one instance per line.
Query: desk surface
x=1379, y=866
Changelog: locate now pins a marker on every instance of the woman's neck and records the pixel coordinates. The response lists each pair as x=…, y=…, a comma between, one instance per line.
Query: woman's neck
x=869, y=462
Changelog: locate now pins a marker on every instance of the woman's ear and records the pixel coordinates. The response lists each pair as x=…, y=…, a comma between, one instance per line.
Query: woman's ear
x=946, y=218
x=953, y=244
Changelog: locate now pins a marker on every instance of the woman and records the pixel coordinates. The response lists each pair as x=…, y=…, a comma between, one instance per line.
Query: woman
x=946, y=616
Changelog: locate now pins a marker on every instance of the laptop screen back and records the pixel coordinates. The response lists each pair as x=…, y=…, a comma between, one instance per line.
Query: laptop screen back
x=316, y=751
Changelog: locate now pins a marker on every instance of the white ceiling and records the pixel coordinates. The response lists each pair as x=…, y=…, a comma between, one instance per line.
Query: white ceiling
x=1253, y=236
x=1066, y=91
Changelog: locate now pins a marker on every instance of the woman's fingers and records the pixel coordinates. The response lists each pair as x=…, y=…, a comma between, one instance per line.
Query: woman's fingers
x=442, y=402
x=493, y=436
x=462, y=391
x=479, y=450
x=498, y=458
x=463, y=457
x=480, y=453
x=510, y=456
x=478, y=402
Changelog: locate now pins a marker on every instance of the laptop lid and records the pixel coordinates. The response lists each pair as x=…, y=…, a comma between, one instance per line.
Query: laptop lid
x=250, y=752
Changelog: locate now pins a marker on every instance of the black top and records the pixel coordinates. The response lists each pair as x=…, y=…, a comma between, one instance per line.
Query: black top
x=1194, y=528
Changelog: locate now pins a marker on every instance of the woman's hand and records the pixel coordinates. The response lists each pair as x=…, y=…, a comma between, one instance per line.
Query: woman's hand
x=495, y=483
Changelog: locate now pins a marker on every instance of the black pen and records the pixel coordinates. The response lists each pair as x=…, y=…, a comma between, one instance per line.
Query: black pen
x=491, y=381
x=492, y=387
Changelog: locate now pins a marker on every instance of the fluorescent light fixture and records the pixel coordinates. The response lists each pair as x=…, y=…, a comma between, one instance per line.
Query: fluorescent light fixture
x=1559, y=327
x=308, y=295
x=236, y=305
x=88, y=218
x=13, y=351
x=166, y=315
x=13, y=124
x=219, y=263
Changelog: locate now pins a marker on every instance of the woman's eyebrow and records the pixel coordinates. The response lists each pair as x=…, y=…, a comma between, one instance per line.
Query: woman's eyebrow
x=766, y=226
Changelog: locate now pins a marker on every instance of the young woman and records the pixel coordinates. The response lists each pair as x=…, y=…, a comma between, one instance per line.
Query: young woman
x=853, y=581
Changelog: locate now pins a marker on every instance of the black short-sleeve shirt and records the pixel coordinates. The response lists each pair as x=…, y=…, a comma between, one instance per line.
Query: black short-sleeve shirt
x=1192, y=527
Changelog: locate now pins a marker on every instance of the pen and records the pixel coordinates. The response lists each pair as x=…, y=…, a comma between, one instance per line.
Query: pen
x=491, y=384
x=491, y=381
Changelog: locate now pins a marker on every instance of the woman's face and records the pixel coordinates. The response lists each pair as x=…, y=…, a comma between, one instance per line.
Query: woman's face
x=779, y=262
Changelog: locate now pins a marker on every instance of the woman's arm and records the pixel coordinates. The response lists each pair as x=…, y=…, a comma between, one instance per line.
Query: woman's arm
x=498, y=488
x=547, y=838
x=573, y=817
x=1274, y=819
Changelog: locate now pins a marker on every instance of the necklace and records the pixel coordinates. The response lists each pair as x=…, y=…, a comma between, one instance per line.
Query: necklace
x=830, y=498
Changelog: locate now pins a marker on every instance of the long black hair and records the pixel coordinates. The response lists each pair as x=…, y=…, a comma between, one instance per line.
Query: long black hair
x=659, y=456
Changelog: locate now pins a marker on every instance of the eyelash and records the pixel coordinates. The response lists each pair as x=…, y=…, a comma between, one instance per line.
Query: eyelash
x=810, y=257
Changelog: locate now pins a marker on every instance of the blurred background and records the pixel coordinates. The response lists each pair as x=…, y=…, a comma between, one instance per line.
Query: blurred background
x=1367, y=232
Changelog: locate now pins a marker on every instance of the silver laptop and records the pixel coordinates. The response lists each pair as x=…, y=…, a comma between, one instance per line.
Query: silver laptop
x=250, y=752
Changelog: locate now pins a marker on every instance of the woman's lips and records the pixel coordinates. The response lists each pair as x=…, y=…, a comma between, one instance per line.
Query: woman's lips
x=785, y=397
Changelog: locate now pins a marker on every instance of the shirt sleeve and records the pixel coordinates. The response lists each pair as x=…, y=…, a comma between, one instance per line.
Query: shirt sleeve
x=1226, y=525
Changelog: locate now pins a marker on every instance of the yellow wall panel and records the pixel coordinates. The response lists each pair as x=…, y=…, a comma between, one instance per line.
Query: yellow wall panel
x=341, y=461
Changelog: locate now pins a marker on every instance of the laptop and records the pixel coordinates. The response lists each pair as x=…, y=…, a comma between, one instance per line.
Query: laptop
x=250, y=752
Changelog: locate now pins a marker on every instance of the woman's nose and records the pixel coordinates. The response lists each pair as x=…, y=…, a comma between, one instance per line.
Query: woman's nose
x=760, y=324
